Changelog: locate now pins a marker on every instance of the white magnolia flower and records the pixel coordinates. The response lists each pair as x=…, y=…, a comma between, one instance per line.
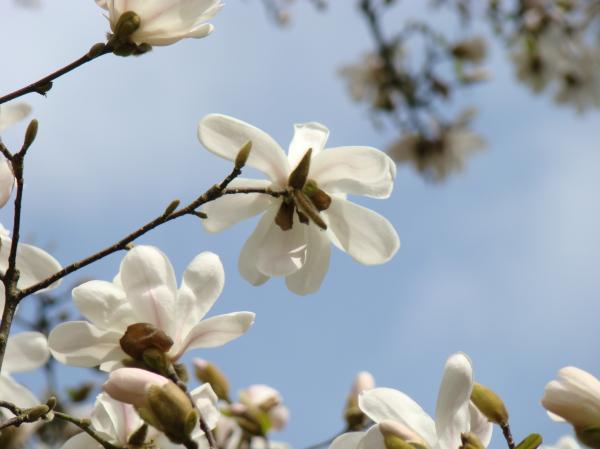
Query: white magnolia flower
x=7, y=181
x=301, y=251
x=116, y=422
x=164, y=22
x=145, y=291
x=393, y=411
x=574, y=397
x=268, y=400
x=12, y=113
x=566, y=442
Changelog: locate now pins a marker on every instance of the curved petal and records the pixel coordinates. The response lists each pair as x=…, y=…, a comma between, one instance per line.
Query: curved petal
x=224, y=136
x=34, y=264
x=381, y=404
x=14, y=392
x=25, y=352
x=373, y=439
x=452, y=416
x=318, y=251
x=12, y=113
x=80, y=343
x=365, y=235
x=216, y=331
x=247, y=261
x=115, y=420
x=203, y=282
x=7, y=181
x=206, y=402
x=306, y=136
x=349, y=440
x=228, y=210
x=356, y=170
x=282, y=253
x=149, y=282
x=480, y=426
x=81, y=441
x=104, y=304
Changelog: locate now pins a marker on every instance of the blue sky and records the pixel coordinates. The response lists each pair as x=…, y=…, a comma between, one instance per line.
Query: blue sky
x=501, y=261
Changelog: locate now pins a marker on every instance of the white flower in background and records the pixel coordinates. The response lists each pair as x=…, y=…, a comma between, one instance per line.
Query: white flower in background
x=7, y=181
x=566, y=442
x=394, y=412
x=353, y=415
x=574, y=397
x=12, y=113
x=297, y=245
x=580, y=85
x=164, y=22
x=145, y=291
x=267, y=400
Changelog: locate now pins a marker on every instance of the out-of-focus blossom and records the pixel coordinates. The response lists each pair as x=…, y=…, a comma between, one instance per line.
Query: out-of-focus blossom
x=394, y=413
x=566, y=442
x=293, y=236
x=164, y=22
x=472, y=50
x=7, y=181
x=145, y=295
x=353, y=415
x=12, y=113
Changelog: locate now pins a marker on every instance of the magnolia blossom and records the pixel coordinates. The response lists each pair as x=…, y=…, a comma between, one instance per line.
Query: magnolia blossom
x=574, y=397
x=145, y=291
x=395, y=413
x=164, y=22
x=297, y=245
x=268, y=400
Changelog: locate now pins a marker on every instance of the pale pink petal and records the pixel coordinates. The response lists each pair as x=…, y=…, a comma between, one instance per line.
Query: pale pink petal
x=130, y=385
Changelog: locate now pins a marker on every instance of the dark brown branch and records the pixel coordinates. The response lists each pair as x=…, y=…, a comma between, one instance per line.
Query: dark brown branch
x=508, y=436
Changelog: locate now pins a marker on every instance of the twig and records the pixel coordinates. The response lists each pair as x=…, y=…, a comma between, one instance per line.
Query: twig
x=508, y=436
x=45, y=84
x=267, y=191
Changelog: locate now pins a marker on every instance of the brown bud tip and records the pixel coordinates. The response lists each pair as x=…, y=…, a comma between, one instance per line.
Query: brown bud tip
x=590, y=436
x=138, y=438
x=532, y=441
x=490, y=404
x=30, y=134
x=321, y=200
x=142, y=336
x=298, y=177
x=172, y=411
x=51, y=402
x=242, y=156
x=285, y=216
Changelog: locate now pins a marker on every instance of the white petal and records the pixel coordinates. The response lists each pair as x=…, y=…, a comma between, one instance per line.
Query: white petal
x=382, y=404
x=81, y=441
x=104, y=304
x=480, y=425
x=309, y=278
x=349, y=440
x=80, y=343
x=355, y=170
x=114, y=419
x=216, y=331
x=373, y=439
x=7, y=181
x=224, y=136
x=12, y=113
x=203, y=282
x=25, y=352
x=247, y=260
x=452, y=415
x=206, y=401
x=282, y=253
x=14, y=392
x=231, y=209
x=34, y=264
x=306, y=136
x=149, y=282
x=365, y=235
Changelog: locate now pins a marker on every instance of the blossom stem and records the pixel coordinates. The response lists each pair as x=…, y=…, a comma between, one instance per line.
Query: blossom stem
x=508, y=436
x=45, y=84
x=267, y=191
x=85, y=425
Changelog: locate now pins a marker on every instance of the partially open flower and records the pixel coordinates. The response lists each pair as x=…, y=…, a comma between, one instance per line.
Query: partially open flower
x=355, y=418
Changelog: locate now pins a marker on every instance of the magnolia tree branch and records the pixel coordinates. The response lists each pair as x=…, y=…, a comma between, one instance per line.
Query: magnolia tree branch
x=86, y=426
x=43, y=85
x=508, y=436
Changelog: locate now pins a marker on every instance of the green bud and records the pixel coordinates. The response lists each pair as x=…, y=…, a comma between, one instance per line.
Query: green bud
x=171, y=207
x=590, y=436
x=51, y=402
x=30, y=134
x=128, y=23
x=157, y=360
x=242, y=156
x=532, y=441
x=209, y=373
x=470, y=441
x=490, y=404
x=171, y=411
x=37, y=412
x=299, y=176
x=181, y=372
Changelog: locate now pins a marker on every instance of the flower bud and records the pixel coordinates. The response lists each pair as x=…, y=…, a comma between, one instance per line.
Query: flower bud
x=285, y=216
x=209, y=373
x=299, y=176
x=127, y=24
x=142, y=336
x=532, y=441
x=242, y=156
x=490, y=404
x=398, y=436
x=30, y=134
x=130, y=385
x=470, y=441
x=353, y=415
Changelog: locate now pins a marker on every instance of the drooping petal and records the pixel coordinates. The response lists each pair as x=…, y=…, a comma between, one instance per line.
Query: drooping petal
x=231, y=209
x=104, y=304
x=373, y=439
x=480, y=425
x=224, y=136
x=34, y=264
x=7, y=181
x=309, y=278
x=282, y=253
x=81, y=441
x=365, y=235
x=381, y=404
x=206, y=400
x=355, y=170
x=247, y=261
x=452, y=416
x=348, y=440
x=25, y=351
x=215, y=331
x=12, y=113
x=15, y=393
x=307, y=136
x=203, y=282
x=149, y=282
x=80, y=343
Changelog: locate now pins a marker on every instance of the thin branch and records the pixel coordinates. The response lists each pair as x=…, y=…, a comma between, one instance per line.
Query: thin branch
x=45, y=84
x=85, y=425
x=508, y=436
x=267, y=191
